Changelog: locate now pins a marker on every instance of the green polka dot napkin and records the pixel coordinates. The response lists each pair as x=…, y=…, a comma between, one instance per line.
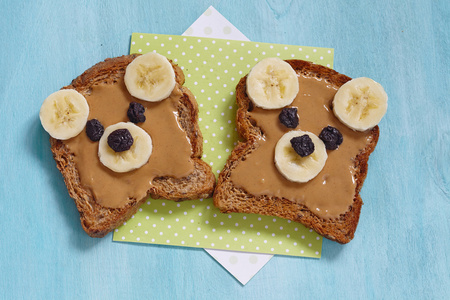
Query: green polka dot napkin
x=212, y=68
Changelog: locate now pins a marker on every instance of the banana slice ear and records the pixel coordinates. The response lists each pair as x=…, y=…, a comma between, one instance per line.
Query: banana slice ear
x=360, y=103
x=150, y=77
x=272, y=83
x=64, y=114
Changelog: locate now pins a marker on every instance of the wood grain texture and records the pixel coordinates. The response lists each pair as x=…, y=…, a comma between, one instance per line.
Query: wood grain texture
x=402, y=241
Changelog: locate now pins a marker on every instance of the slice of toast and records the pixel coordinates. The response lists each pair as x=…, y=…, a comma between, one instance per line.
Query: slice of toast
x=229, y=197
x=98, y=220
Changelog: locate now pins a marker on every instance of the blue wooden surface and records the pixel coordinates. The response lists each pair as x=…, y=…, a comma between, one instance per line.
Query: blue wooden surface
x=401, y=246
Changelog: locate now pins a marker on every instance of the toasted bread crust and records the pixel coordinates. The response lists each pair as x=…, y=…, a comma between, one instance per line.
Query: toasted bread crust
x=229, y=198
x=97, y=220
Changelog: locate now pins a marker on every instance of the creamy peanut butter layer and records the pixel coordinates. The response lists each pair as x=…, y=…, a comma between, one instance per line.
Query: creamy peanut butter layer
x=331, y=192
x=171, y=147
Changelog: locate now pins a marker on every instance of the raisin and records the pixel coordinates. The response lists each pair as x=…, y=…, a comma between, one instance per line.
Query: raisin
x=94, y=130
x=136, y=112
x=120, y=140
x=288, y=117
x=331, y=137
x=303, y=145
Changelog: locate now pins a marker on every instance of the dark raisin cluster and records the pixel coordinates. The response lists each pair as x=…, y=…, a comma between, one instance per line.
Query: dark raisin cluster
x=288, y=117
x=331, y=137
x=94, y=130
x=120, y=140
x=303, y=145
x=136, y=113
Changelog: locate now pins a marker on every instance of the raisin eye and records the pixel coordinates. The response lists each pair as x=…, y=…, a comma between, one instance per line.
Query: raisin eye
x=136, y=113
x=288, y=117
x=303, y=145
x=120, y=140
x=331, y=137
x=94, y=130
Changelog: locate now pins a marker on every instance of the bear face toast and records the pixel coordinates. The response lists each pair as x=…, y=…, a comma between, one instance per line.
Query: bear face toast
x=265, y=173
x=147, y=148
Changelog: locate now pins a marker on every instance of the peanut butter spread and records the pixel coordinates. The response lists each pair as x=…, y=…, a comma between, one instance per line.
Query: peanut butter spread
x=171, y=147
x=331, y=192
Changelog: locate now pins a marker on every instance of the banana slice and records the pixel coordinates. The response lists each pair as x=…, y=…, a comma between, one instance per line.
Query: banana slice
x=64, y=114
x=360, y=103
x=128, y=160
x=294, y=167
x=272, y=83
x=150, y=77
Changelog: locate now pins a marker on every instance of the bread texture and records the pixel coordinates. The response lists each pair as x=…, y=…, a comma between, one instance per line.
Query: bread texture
x=230, y=198
x=98, y=220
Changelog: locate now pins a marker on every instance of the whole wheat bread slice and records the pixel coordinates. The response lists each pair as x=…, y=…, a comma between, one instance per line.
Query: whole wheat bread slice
x=98, y=220
x=230, y=198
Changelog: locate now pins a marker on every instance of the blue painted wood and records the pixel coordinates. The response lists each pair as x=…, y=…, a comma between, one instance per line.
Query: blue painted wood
x=401, y=246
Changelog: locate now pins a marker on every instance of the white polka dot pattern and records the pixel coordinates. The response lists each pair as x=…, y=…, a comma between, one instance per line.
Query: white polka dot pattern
x=212, y=68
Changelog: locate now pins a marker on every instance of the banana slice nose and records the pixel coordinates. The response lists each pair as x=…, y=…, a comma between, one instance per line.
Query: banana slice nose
x=294, y=167
x=125, y=161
